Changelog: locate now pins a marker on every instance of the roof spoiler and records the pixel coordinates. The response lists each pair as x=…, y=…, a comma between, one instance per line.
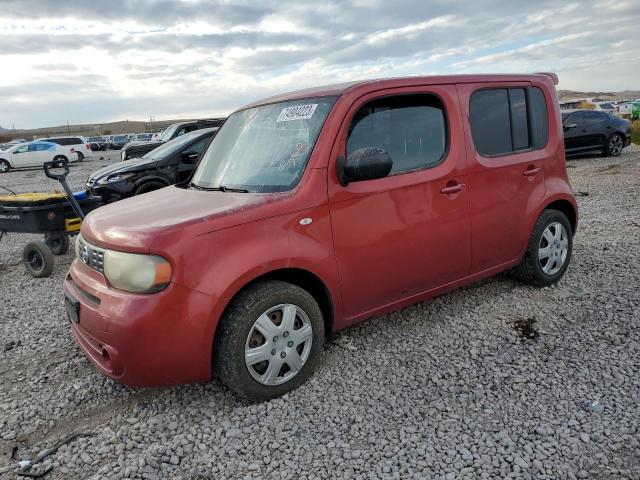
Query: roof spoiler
x=551, y=75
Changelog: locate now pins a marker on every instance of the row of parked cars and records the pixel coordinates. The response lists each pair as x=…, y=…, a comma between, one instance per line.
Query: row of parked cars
x=116, y=142
x=21, y=154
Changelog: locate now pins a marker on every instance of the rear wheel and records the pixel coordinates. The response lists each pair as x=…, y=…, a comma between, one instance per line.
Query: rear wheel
x=38, y=259
x=268, y=341
x=614, y=146
x=80, y=156
x=60, y=158
x=58, y=243
x=4, y=166
x=149, y=187
x=549, y=250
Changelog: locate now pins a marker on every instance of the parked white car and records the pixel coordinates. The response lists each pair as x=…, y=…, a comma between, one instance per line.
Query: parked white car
x=33, y=154
x=73, y=145
x=605, y=107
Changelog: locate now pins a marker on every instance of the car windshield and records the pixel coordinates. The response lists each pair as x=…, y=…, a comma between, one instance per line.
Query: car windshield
x=95, y=139
x=120, y=138
x=168, y=133
x=264, y=149
x=169, y=148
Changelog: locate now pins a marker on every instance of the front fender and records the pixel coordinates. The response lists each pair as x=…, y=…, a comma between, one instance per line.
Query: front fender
x=221, y=263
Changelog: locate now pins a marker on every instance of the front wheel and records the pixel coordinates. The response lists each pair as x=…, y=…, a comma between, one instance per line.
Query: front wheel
x=60, y=158
x=548, y=251
x=615, y=144
x=4, y=166
x=149, y=187
x=268, y=341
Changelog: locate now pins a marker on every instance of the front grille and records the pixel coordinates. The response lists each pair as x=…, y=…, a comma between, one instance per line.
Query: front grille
x=91, y=255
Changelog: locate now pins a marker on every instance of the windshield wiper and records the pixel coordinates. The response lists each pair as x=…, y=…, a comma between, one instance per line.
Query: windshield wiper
x=221, y=188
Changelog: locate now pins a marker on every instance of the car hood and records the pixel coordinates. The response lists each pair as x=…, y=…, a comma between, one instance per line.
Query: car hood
x=133, y=165
x=133, y=224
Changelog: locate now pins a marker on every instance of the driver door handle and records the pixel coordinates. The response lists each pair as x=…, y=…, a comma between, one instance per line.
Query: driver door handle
x=531, y=171
x=450, y=189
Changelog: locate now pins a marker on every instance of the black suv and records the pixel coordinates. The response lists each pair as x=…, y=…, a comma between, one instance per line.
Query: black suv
x=172, y=162
x=587, y=130
x=138, y=149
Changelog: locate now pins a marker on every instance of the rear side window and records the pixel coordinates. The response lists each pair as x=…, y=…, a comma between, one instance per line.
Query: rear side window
x=411, y=128
x=594, y=118
x=507, y=120
x=539, y=118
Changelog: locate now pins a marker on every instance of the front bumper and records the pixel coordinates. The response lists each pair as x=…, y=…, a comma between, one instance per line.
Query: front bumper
x=111, y=192
x=141, y=340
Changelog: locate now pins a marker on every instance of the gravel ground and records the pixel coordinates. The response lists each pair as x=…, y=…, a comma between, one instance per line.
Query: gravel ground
x=497, y=380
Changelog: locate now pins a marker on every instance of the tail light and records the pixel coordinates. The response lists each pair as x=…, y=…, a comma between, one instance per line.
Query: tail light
x=87, y=146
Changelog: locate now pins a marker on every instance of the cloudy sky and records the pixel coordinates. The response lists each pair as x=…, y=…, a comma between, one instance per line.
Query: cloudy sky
x=100, y=60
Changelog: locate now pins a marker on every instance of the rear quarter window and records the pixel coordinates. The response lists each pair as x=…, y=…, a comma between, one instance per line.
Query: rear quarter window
x=508, y=120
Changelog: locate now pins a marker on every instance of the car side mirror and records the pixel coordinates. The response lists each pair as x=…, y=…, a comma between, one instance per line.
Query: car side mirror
x=570, y=125
x=364, y=164
x=189, y=157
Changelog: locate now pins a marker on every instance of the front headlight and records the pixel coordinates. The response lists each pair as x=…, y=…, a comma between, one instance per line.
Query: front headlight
x=136, y=273
x=117, y=177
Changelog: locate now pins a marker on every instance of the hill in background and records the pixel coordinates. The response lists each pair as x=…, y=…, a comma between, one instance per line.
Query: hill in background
x=624, y=95
x=88, y=130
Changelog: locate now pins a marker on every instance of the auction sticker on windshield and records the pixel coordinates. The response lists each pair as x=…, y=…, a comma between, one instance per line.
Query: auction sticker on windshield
x=299, y=112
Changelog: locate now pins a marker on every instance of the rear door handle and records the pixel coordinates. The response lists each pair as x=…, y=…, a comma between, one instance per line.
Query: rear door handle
x=531, y=172
x=451, y=189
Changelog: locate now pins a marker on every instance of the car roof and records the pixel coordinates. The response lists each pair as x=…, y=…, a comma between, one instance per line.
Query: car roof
x=342, y=88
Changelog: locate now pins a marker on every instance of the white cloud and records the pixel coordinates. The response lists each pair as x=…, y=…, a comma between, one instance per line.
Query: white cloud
x=112, y=59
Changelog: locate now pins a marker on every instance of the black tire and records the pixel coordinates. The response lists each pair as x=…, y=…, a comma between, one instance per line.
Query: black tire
x=58, y=243
x=530, y=269
x=149, y=187
x=4, y=166
x=80, y=156
x=614, y=146
x=38, y=259
x=60, y=158
x=237, y=323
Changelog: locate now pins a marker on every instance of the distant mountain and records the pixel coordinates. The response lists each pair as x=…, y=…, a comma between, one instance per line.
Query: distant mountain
x=3, y=130
x=625, y=95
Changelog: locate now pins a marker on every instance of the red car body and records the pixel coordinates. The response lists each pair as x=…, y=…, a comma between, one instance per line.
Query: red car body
x=372, y=246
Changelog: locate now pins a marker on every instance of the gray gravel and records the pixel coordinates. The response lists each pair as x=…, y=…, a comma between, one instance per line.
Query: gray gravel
x=497, y=380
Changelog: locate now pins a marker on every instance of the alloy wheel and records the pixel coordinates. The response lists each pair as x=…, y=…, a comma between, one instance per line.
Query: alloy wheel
x=553, y=248
x=278, y=344
x=615, y=145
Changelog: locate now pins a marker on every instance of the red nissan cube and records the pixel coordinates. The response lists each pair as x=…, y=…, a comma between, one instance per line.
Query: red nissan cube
x=315, y=210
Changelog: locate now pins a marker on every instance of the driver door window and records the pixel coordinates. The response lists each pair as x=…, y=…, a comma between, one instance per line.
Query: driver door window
x=410, y=128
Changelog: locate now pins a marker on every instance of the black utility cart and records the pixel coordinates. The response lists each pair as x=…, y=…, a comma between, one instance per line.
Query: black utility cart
x=56, y=215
